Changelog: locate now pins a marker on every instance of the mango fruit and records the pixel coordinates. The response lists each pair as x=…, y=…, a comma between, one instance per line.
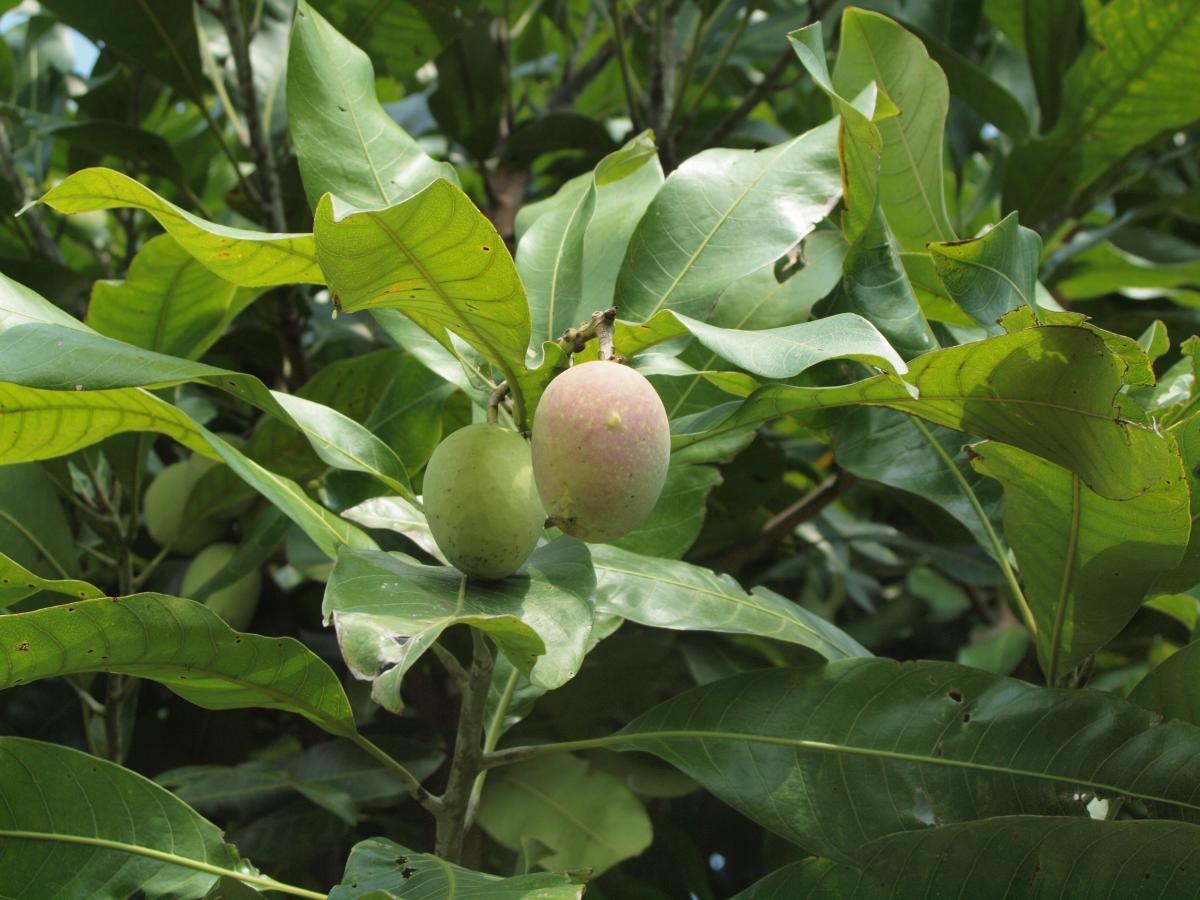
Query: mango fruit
x=601, y=446
x=237, y=602
x=480, y=500
x=166, y=498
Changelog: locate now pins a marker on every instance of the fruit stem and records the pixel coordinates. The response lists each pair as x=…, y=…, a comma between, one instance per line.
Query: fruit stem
x=573, y=340
x=494, y=401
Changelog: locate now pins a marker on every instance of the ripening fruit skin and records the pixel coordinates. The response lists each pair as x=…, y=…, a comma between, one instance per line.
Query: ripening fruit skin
x=237, y=602
x=166, y=498
x=480, y=500
x=601, y=446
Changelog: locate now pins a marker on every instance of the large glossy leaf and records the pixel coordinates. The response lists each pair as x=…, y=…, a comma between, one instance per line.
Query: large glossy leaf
x=1170, y=687
x=603, y=824
x=345, y=142
x=755, y=302
x=782, y=352
x=1128, y=85
x=169, y=303
x=722, y=215
x=681, y=596
x=876, y=49
x=45, y=354
x=44, y=424
x=438, y=259
x=1050, y=390
x=848, y=752
x=74, y=825
x=17, y=583
x=552, y=255
x=991, y=274
x=388, y=610
x=1106, y=269
x=247, y=258
x=179, y=643
x=925, y=460
x=877, y=288
x=860, y=144
x=1087, y=562
x=1187, y=574
x=380, y=868
x=1006, y=857
x=158, y=37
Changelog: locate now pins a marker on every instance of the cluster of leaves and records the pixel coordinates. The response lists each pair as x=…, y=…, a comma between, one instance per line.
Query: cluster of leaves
x=916, y=284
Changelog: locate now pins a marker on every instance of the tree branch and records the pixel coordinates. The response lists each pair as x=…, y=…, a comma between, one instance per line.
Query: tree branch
x=761, y=91
x=785, y=522
x=468, y=751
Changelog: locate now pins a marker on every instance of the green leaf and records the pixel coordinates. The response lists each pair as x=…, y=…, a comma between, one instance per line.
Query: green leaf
x=158, y=37
x=168, y=303
x=96, y=138
x=1187, y=574
x=1029, y=856
x=1050, y=390
x=677, y=595
x=877, y=288
x=1170, y=687
x=675, y=522
x=926, y=461
x=377, y=868
x=722, y=215
x=1087, y=562
x=860, y=145
x=397, y=399
x=552, y=257
x=49, y=355
x=854, y=750
x=388, y=610
x=34, y=529
x=1106, y=269
x=436, y=258
x=400, y=36
x=876, y=49
x=17, y=583
x=44, y=424
x=602, y=824
x=346, y=143
x=246, y=258
x=991, y=274
x=1130, y=83
x=75, y=825
x=398, y=515
x=178, y=643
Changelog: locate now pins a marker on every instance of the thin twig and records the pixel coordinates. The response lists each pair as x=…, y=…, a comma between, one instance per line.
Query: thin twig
x=761, y=91
x=631, y=91
x=726, y=51
x=415, y=789
x=785, y=522
x=573, y=340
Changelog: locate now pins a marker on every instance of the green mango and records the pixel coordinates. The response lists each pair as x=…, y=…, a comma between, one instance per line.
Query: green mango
x=237, y=602
x=480, y=500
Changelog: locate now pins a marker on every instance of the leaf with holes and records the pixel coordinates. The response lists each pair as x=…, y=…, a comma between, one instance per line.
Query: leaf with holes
x=722, y=215
x=388, y=610
x=848, y=752
x=17, y=583
x=178, y=643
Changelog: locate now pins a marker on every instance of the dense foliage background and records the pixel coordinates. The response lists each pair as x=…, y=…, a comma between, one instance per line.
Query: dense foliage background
x=259, y=263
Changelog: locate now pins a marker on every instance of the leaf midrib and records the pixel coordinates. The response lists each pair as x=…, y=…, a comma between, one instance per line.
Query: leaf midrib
x=851, y=750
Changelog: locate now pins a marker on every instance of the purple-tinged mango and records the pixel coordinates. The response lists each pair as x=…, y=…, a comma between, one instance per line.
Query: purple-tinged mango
x=480, y=501
x=601, y=445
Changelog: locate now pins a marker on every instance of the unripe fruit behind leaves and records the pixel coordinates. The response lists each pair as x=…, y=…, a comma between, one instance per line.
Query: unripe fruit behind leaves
x=601, y=446
x=237, y=602
x=166, y=498
x=481, y=502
